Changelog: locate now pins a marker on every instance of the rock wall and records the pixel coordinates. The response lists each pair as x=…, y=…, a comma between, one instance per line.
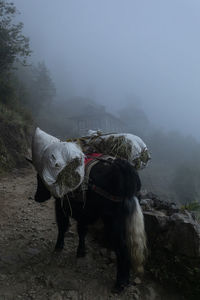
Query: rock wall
x=15, y=140
x=174, y=245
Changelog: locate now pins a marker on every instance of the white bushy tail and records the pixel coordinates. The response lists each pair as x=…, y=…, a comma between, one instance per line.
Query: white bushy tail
x=135, y=235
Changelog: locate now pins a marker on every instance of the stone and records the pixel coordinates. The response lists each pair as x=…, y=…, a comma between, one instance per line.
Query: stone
x=178, y=232
x=137, y=280
x=183, y=236
x=72, y=295
x=56, y=296
x=146, y=204
x=3, y=277
x=60, y=282
x=173, y=239
x=103, y=252
x=151, y=293
x=33, y=251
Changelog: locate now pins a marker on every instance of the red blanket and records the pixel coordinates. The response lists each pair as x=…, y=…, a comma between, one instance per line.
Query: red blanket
x=91, y=156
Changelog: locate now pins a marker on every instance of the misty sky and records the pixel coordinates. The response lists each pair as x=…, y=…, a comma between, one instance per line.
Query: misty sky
x=118, y=50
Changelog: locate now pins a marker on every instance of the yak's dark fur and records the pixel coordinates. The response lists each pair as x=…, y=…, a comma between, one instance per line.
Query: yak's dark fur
x=119, y=178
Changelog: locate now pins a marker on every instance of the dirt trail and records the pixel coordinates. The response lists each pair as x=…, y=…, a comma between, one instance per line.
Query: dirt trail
x=29, y=269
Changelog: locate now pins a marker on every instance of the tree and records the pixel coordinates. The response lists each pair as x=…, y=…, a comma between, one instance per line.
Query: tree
x=13, y=44
x=45, y=86
x=13, y=47
x=37, y=89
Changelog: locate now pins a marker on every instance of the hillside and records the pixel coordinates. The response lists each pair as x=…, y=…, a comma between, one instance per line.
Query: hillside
x=16, y=130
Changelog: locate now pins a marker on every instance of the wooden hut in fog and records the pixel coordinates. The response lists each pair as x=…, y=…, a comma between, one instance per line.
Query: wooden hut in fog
x=96, y=119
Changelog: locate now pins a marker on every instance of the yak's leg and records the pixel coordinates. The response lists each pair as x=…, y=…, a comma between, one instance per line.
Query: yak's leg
x=82, y=231
x=62, y=219
x=123, y=267
x=116, y=234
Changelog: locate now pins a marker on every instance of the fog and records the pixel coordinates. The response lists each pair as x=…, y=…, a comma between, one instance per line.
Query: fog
x=117, y=51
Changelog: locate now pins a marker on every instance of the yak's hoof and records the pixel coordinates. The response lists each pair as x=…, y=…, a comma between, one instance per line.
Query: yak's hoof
x=119, y=288
x=57, y=250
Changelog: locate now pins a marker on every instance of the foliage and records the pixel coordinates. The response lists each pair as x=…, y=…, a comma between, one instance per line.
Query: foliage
x=45, y=90
x=36, y=89
x=13, y=44
x=23, y=89
x=17, y=116
x=193, y=207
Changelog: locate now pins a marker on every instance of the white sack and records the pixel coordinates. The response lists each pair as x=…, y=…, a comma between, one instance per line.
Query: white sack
x=51, y=158
x=124, y=145
x=41, y=141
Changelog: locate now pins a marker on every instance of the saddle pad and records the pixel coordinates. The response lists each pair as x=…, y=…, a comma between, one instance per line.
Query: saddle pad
x=91, y=156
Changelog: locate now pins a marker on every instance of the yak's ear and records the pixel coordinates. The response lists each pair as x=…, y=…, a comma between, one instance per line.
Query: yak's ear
x=29, y=160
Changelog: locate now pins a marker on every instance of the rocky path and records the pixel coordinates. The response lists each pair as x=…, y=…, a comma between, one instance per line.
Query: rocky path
x=29, y=269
